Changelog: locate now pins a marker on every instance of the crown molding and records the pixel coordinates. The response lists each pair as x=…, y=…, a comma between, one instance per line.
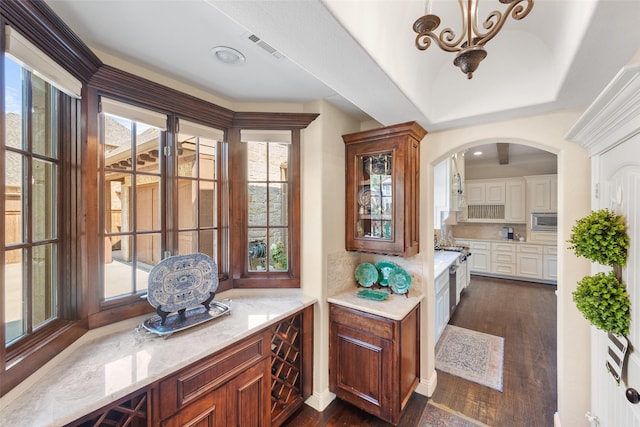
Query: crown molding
x=613, y=117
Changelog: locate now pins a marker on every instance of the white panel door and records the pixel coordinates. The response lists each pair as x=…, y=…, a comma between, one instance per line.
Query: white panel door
x=619, y=184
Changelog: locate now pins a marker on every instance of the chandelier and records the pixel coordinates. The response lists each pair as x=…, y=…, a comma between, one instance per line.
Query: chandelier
x=470, y=43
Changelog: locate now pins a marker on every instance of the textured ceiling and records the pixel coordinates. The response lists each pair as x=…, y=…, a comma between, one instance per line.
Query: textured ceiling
x=360, y=54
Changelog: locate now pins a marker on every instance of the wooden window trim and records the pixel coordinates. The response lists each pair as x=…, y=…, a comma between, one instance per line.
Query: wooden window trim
x=79, y=255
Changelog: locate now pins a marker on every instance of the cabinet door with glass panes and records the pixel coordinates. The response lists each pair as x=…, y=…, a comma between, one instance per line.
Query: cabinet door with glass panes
x=382, y=189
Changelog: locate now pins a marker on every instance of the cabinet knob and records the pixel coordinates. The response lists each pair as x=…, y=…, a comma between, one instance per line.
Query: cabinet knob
x=632, y=395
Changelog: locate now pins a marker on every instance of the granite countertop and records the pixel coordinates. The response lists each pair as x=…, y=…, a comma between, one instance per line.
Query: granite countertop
x=395, y=307
x=520, y=242
x=108, y=363
x=442, y=260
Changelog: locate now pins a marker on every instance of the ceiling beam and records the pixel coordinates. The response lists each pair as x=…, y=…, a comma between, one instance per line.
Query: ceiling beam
x=503, y=153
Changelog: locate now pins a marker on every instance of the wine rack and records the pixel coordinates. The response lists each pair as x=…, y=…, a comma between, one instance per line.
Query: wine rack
x=131, y=412
x=286, y=368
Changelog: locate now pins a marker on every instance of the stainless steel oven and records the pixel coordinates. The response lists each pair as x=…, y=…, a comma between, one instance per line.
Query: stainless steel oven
x=544, y=221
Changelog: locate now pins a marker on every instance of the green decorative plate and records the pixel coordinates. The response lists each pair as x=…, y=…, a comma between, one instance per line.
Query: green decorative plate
x=384, y=269
x=373, y=294
x=399, y=281
x=366, y=274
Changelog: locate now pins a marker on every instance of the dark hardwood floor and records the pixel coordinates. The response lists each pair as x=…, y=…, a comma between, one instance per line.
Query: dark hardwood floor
x=524, y=314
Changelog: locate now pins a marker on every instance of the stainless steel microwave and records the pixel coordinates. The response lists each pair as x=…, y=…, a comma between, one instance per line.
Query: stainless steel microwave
x=544, y=221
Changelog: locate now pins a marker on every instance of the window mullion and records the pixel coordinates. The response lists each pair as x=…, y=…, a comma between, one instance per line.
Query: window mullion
x=27, y=217
x=169, y=189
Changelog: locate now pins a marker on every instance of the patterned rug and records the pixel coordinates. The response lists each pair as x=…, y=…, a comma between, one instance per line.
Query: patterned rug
x=437, y=415
x=474, y=356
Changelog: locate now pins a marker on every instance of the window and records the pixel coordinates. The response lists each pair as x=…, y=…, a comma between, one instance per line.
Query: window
x=268, y=157
x=198, y=191
x=36, y=289
x=155, y=205
x=31, y=239
x=126, y=186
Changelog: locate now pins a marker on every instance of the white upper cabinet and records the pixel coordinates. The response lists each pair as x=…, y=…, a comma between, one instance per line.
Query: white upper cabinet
x=496, y=200
x=542, y=193
x=515, y=208
x=485, y=192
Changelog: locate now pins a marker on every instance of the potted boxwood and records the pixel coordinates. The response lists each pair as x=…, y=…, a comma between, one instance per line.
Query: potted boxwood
x=602, y=298
x=601, y=237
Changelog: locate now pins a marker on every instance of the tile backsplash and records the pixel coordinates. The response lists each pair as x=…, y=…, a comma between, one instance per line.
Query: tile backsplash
x=485, y=231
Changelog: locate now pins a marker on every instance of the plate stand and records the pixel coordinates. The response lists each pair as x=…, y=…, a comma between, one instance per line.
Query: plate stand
x=185, y=319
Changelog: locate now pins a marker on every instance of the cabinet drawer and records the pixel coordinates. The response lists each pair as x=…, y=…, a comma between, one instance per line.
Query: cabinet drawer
x=503, y=247
x=504, y=257
x=507, y=269
x=191, y=383
x=551, y=250
x=530, y=249
x=365, y=322
x=480, y=246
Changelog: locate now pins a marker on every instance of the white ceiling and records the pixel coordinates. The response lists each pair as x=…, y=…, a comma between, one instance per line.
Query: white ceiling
x=360, y=54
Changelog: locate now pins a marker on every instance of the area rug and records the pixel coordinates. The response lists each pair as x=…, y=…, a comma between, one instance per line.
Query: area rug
x=474, y=356
x=437, y=415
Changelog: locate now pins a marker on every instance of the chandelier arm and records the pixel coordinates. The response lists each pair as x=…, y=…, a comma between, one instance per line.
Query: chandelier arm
x=424, y=39
x=495, y=20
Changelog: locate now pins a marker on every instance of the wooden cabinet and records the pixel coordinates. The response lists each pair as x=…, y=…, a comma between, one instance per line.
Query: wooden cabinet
x=240, y=402
x=231, y=388
x=383, y=188
x=291, y=364
x=258, y=381
x=374, y=361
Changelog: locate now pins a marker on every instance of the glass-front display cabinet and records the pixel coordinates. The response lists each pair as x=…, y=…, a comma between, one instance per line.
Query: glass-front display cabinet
x=383, y=178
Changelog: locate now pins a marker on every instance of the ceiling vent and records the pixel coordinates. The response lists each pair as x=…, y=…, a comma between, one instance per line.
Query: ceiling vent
x=266, y=46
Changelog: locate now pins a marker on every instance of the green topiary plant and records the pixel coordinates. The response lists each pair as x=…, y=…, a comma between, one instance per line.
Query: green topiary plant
x=601, y=237
x=604, y=301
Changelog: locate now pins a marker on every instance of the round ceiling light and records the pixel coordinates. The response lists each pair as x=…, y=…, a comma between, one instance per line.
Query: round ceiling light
x=228, y=55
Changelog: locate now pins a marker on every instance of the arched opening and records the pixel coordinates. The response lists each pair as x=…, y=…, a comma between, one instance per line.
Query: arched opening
x=486, y=194
x=574, y=194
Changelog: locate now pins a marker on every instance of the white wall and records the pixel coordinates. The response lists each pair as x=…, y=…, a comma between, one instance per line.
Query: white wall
x=323, y=227
x=544, y=132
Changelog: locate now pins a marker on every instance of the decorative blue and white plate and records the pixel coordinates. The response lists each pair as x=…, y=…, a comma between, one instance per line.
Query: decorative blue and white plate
x=399, y=281
x=182, y=281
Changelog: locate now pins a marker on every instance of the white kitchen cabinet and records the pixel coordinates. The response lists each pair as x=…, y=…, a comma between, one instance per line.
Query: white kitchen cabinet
x=480, y=260
x=461, y=280
x=485, y=192
x=448, y=193
x=542, y=193
x=515, y=201
x=536, y=262
x=441, y=303
x=502, y=200
x=529, y=261
x=550, y=263
x=503, y=258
